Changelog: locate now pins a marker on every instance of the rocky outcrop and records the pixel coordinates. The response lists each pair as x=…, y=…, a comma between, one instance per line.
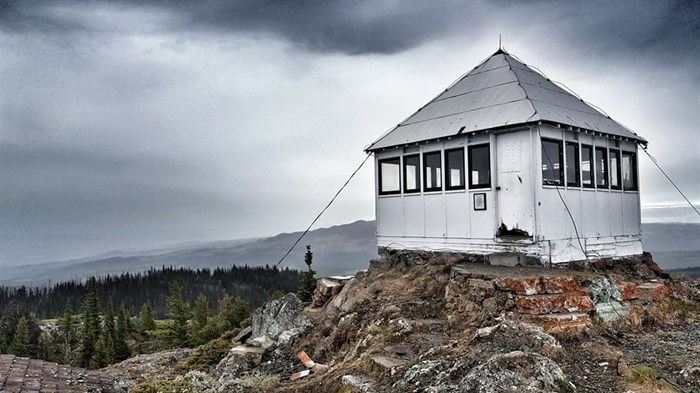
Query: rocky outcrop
x=278, y=316
x=277, y=323
x=516, y=371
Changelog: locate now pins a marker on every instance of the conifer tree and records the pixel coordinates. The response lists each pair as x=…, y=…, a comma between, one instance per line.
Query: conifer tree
x=200, y=317
x=100, y=352
x=307, y=281
x=178, y=312
x=90, y=332
x=67, y=335
x=108, y=333
x=232, y=311
x=146, y=321
x=121, y=350
x=21, y=342
x=200, y=314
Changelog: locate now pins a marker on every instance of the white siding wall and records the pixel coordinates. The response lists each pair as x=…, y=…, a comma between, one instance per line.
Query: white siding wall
x=608, y=221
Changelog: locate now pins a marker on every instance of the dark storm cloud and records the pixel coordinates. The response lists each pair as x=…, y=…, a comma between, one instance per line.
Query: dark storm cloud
x=353, y=27
x=643, y=28
x=137, y=123
x=663, y=31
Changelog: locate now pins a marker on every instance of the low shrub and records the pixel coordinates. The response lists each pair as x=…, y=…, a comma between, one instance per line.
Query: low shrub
x=210, y=354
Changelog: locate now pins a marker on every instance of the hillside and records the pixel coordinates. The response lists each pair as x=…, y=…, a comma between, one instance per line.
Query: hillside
x=434, y=323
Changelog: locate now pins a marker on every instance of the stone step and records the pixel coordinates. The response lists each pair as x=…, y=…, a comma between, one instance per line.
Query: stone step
x=560, y=321
x=539, y=285
x=554, y=303
x=653, y=291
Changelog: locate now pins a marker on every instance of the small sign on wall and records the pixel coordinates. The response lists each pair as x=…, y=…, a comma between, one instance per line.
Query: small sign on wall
x=480, y=201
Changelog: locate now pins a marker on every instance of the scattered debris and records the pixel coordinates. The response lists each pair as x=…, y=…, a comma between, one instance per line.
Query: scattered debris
x=361, y=382
x=389, y=362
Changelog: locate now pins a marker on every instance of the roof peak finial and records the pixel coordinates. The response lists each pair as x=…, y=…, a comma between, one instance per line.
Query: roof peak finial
x=500, y=46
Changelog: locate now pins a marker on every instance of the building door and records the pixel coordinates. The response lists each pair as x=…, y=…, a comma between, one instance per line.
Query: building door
x=514, y=192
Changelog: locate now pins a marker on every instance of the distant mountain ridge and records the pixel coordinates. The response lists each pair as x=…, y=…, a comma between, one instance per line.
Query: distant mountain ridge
x=338, y=249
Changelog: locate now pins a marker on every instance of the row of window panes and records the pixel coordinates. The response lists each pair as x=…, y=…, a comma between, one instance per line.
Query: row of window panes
x=432, y=173
x=591, y=168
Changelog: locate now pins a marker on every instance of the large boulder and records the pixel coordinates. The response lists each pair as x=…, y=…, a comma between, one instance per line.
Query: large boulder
x=516, y=371
x=280, y=315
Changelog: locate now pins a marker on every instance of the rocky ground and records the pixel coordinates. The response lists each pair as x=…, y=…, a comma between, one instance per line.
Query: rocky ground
x=437, y=323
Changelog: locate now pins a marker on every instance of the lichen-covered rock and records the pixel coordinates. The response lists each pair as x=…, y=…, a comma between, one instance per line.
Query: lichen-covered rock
x=602, y=290
x=279, y=315
x=238, y=360
x=524, y=335
x=421, y=375
x=515, y=371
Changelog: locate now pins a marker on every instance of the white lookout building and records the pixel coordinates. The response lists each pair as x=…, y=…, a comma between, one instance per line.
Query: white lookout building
x=505, y=162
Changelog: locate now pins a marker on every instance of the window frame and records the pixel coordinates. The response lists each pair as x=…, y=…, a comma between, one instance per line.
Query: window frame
x=591, y=160
x=406, y=190
x=633, y=170
x=561, y=160
x=425, y=169
x=577, y=164
x=618, y=167
x=380, y=176
x=470, y=156
x=606, y=169
x=448, y=185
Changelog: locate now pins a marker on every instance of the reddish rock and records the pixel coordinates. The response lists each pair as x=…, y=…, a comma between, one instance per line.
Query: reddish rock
x=653, y=291
x=555, y=303
x=559, y=322
x=561, y=284
x=539, y=285
x=628, y=290
x=521, y=285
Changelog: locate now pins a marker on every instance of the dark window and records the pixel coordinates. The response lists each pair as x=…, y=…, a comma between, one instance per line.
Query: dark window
x=552, y=170
x=411, y=173
x=615, y=169
x=432, y=171
x=454, y=169
x=389, y=180
x=479, y=166
x=629, y=171
x=587, y=166
x=572, y=165
x=601, y=167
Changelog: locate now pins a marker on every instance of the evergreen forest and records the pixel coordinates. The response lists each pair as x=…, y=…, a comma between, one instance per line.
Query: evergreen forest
x=108, y=319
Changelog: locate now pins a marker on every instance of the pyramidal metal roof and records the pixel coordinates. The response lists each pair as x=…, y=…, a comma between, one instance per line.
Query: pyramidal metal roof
x=500, y=92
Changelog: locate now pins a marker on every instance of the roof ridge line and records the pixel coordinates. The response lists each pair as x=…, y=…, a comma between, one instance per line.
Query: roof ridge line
x=474, y=91
x=459, y=113
x=527, y=98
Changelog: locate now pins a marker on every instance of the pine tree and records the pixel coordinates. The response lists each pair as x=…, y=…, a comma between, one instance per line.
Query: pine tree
x=146, y=321
x=232, y=311
x=121, y=350
x=67, y=335
x=108, y=333
x=21, y=342
x=178, y=312
x=99, y=356
x=200, y=317
x=307, y=281
x=200, y=314
x=90, y=332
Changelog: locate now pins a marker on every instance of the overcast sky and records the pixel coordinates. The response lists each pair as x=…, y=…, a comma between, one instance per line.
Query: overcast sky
x=132, y=124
